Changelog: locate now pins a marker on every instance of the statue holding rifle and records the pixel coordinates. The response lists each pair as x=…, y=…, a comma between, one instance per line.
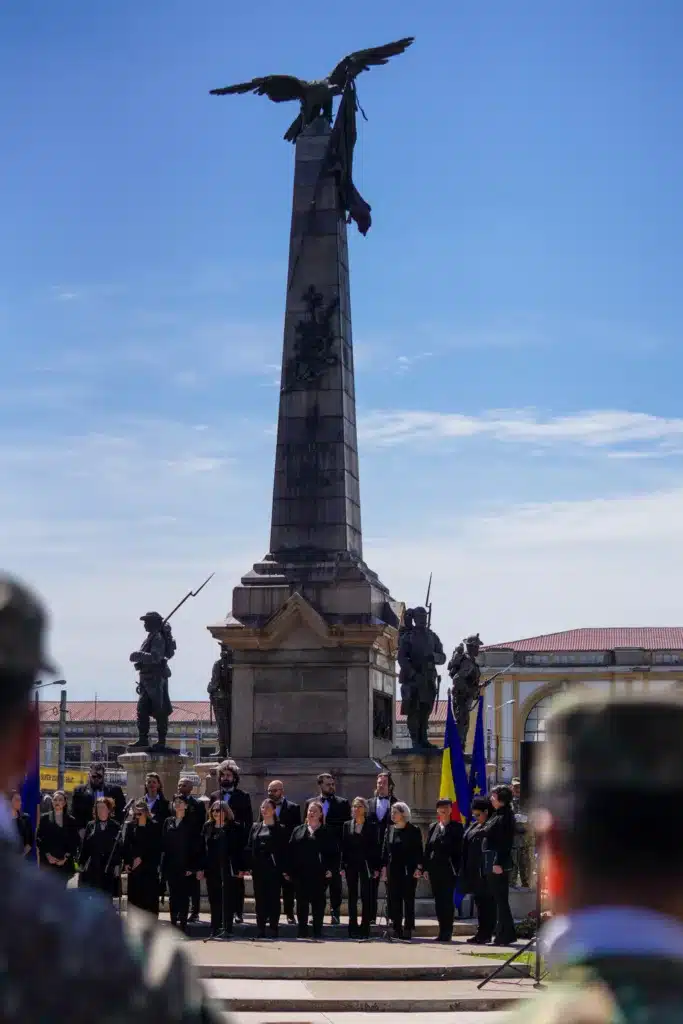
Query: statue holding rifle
x=466, y=678
x=151, y=662
x=419, y=652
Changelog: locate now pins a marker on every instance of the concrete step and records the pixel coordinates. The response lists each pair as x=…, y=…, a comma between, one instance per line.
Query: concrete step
x=478, y=968
x=241, y=995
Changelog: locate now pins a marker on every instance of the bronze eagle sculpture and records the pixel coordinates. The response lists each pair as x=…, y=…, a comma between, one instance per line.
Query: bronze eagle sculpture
x=316, y=97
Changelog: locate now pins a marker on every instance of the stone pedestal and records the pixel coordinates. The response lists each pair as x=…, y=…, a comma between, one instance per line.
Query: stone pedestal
x=312, y=629
x=208, y=774
x=167, y=766
x=417, y=780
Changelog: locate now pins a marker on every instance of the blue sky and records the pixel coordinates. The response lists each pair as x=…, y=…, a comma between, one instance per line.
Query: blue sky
x=517, y=310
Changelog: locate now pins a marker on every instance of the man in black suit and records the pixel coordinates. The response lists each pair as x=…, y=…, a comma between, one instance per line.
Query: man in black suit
x=84, y=798
x=336, y=810
x=379, y=812
x=289, y=815
x=240, y=805
x=196, y=815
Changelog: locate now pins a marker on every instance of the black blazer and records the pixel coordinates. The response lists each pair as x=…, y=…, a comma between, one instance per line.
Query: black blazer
x=289, y=816
x=58, y=840
x=240, y=805
x=222, y=849
x=160, y=810
x=443, y=850
x=499, y=835
x=471, y=861
x=180, y=848
x=143, y=841
x=310, y=856
x=83, y=803
x=267, y=852
x=196, y=813
x=338, y=811
x=402, y=848
x=97, y=859
x=361, y=851
x=384, y=824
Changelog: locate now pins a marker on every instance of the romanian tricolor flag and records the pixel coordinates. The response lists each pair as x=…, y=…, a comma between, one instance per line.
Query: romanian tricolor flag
x=454, y=784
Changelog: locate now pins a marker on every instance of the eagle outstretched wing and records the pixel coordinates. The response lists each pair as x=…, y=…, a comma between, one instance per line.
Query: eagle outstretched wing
x=363, y=60
x=278, y=88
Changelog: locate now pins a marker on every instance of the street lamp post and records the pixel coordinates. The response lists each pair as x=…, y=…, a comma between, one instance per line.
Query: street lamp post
x=490, y=707
x=61, y=741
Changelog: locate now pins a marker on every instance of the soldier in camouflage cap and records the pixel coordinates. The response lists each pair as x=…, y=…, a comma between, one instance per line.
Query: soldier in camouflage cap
x=609, y=802
x=107, y=971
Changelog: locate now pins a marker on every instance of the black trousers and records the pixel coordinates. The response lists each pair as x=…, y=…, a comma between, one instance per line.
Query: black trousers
x=195, y=894
x=486, y=911
x=221, y=901
x=443, y=889
x=505, y=926
x=359, y=885
x=239, y=897
x=143, y=890
x=288, y=898
x=179, y=898
x=401, y=896
x=374, y=898
x=334, y=884
x=310, y=898
x=266, y=897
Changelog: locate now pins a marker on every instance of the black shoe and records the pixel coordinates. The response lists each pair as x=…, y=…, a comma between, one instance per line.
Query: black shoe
x=302, y=933
x=274, y=932
x=334, y=917
x=291, y=920
x=193, y=918
x=261, y=933
x=239, y=919
x=353, y=931
x=407, y=934
x=478, y=940
x=318, y=936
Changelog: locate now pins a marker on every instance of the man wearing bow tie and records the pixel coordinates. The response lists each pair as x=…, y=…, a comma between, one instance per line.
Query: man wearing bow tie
x=289, y=815
x=336, y=810
x=379, y=812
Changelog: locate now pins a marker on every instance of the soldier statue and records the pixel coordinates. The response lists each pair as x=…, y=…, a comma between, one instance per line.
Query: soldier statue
x=419, y=652
x=220, y=695
x=151, y=661
x=465, y=675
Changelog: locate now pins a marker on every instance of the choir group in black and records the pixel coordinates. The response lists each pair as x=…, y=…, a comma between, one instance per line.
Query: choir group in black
x=170, y=846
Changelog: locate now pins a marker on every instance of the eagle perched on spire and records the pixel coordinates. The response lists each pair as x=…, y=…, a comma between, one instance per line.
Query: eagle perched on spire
x=316, y=97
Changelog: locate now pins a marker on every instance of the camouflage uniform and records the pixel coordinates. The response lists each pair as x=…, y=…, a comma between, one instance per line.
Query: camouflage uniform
x=613, y=964
x=65, y=956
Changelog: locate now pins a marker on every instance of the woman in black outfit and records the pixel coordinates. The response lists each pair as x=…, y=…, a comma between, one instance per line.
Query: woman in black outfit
x=57, y=839
x=312, y=857
x=22, y=823
x=222, y=859
x=360, y=863
x=141, y=857
x=402, y=857
x=472, y=878
x=497, y=853
x=97, y=855
x=443, y=851
x=159, y=807
x=180, y=860
x=266, y=854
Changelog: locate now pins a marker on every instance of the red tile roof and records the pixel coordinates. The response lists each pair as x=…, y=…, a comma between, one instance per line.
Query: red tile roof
x=650, y=638
x=438, y=712
x=119, y=711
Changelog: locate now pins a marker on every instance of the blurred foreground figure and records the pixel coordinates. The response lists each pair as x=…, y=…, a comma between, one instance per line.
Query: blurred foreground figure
x=615, y=879
x=111, y=972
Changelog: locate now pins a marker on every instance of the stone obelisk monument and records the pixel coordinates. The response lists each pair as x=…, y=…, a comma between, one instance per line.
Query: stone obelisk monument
x=312, y=628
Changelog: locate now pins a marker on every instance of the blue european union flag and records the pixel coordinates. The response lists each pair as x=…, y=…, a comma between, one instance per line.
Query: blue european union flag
x=30, y=791
x=478, y=765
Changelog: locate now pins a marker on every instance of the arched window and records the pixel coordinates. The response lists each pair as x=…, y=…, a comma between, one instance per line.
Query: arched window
x=534, y=727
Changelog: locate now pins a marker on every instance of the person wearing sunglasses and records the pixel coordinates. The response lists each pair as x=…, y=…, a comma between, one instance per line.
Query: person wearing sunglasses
x=141, y=857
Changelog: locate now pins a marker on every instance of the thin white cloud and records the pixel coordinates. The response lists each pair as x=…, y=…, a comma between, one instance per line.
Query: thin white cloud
x=592, y=429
